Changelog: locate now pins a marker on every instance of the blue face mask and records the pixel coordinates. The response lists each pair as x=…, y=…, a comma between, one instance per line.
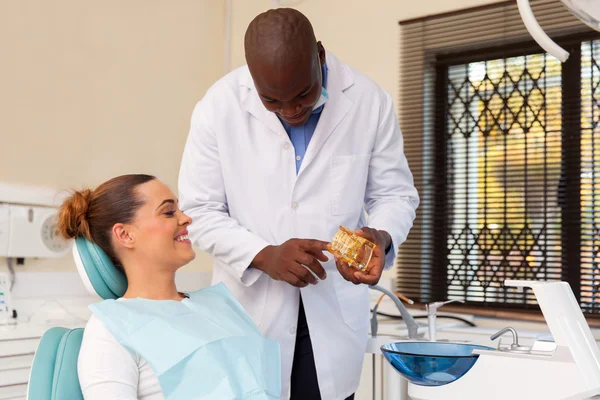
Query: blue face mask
x=322, y=99
x=204, y=347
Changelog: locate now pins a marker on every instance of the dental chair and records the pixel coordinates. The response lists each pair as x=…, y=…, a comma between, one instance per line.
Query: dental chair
x=54, y=370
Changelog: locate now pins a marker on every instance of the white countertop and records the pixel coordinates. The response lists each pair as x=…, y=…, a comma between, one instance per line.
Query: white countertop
x=36, y=315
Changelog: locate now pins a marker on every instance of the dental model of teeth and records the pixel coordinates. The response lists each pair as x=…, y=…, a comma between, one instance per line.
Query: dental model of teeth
x=351, y=248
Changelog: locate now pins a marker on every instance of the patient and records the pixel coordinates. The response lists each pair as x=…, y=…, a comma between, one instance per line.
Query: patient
x=156, y=342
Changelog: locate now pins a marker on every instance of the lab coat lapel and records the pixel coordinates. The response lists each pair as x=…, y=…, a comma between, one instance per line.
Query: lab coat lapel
x=340, y=78
x=254, y=106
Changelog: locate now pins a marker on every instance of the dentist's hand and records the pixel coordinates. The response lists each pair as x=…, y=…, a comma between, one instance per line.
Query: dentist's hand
x=372, y=274
x=291, y=261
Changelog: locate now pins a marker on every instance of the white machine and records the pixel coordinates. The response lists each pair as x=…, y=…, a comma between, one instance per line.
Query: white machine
x=588, y=11
x=566, y=368
x=27, y=230
x=28, y=223
x=6, y=311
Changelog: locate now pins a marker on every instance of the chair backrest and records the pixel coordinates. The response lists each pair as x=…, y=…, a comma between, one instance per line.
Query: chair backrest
x=97, y=271
x=54, y=370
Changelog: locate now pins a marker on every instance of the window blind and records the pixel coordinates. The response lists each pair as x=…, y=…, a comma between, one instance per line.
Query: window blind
x=502, y=141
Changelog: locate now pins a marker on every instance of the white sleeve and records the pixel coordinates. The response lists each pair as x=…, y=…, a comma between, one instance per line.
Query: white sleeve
x=202, y=197
x=391, y=198
x=106, y=369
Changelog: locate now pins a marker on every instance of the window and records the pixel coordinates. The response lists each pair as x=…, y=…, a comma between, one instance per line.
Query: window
x=508, y=167
x=502, y=167
x=590, y=177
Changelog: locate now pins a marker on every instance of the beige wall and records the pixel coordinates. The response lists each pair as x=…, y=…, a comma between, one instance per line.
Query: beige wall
x=91, y=90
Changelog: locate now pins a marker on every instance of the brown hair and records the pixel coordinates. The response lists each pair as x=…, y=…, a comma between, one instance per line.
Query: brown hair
x=91, y=214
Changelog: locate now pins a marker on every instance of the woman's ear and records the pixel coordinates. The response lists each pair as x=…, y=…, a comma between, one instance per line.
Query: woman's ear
x=123, y=236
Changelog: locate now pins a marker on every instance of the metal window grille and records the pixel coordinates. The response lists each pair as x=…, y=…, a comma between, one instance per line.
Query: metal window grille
x=504, y=144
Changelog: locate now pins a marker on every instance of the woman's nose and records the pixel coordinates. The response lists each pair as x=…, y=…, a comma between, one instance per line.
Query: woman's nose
x=185, y=220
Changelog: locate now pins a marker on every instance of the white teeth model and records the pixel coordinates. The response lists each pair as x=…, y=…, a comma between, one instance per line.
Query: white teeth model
x=182, y=238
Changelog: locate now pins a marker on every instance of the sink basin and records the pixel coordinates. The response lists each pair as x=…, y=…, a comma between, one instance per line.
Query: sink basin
x=431, y=363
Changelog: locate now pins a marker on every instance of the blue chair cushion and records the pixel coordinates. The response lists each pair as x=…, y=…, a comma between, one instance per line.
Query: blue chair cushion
x=54, y=370
x=107, y=280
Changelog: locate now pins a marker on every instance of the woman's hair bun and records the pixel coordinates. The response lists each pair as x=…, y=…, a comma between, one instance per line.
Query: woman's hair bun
x=72, y=216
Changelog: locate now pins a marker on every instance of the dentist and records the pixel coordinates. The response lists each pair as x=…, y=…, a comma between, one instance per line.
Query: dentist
x=280, y=153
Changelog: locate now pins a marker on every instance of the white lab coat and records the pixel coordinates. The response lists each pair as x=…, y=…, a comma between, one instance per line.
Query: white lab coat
x=238, y=183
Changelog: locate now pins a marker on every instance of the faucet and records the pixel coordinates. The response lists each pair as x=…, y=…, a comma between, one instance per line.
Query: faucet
x=515, y=346
x=408, y=319
x=432, y=314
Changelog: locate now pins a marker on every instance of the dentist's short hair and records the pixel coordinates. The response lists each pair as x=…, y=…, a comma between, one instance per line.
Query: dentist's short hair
x=282, y=35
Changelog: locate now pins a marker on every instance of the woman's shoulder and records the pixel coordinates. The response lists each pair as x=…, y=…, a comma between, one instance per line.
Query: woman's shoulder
x=97, y=338
x=97, y=331
x=95, y=328
x=124, y=316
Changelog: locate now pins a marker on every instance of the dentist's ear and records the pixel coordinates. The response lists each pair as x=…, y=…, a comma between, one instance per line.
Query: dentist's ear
x=322, y=53
x=123, y=236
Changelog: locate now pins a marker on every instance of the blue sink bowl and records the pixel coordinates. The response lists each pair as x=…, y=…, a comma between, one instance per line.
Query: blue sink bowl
x=431, y=363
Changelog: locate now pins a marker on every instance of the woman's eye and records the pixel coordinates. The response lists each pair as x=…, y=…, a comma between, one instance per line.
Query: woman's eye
x=170, y=213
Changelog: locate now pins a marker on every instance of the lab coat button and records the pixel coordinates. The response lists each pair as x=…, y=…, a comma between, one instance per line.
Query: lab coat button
x=294, y=206
x=286, y=146
x=293, y=330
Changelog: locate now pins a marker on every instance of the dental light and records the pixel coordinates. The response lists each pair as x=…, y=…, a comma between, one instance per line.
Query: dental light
x=588, y=11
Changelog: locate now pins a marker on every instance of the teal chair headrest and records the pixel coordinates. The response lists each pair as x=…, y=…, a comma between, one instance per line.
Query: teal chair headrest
x=54, y=370
x=97, y=271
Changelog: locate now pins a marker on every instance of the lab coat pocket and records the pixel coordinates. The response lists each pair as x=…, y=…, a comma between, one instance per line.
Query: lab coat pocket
x=354, y=302
x=348, y=183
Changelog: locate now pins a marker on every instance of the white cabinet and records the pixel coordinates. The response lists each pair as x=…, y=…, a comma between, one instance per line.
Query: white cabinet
x=17, y=347
x=17, y=392
x=18, y=344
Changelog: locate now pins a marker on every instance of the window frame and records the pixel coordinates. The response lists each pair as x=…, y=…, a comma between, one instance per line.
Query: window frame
x=570, y=181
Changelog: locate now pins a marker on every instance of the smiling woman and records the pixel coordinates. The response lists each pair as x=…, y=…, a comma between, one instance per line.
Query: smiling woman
x=156, y=342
